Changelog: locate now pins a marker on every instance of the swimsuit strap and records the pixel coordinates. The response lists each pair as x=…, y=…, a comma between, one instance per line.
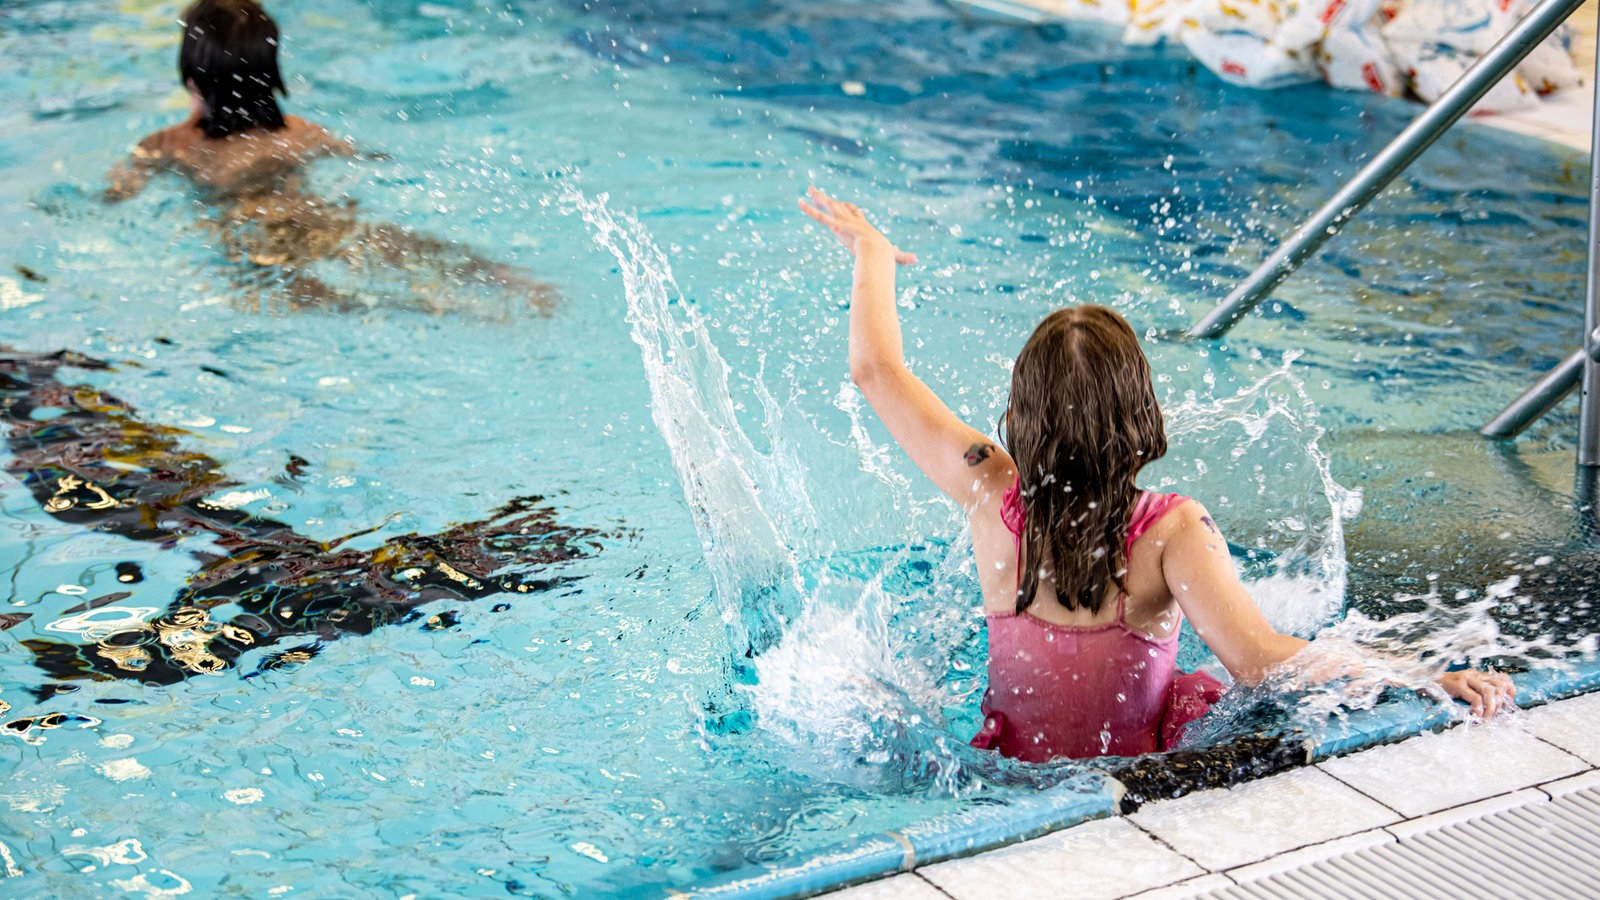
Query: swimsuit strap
x=1147, y=511
x=1011, y=511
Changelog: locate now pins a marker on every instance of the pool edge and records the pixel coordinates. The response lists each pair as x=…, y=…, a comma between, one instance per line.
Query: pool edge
x=944, y=837
x=935, y=840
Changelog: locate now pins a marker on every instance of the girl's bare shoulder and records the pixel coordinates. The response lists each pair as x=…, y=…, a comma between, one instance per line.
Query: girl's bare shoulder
x=310, y=139
x=168, y=142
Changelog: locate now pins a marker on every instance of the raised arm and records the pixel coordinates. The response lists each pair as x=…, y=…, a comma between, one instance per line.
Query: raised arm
x=959, y=459
x=1200, y=574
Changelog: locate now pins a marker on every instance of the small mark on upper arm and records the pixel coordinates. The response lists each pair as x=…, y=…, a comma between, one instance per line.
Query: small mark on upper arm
x=977, y=453
x=1210, y=525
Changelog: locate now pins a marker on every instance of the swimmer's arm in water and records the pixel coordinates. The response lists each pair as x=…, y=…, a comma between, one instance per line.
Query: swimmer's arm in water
x=129, y=177
x=963, y=462
x=1200, y=574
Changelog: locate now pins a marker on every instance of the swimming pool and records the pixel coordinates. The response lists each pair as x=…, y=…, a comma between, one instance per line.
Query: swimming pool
x=706, y=618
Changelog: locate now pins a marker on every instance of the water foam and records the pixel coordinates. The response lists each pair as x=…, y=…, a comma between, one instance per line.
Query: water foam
x=1281, y=501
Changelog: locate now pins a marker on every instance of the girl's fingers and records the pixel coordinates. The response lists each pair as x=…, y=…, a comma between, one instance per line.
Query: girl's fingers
x=823, y=200
x=837, y=207
x=817, y=214
x=844, y=218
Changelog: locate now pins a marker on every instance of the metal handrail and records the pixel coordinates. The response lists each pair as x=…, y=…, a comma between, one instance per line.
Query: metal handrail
x=1543, y=395
x=1583, y=366
x=1406, y=147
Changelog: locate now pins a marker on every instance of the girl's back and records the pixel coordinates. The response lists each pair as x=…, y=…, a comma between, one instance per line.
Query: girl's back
x=1077, y=684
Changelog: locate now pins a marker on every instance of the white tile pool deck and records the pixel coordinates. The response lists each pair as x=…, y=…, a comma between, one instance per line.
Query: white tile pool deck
x=1219, y=839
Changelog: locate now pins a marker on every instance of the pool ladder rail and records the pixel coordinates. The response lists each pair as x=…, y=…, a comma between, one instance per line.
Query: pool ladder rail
x=1583, y=366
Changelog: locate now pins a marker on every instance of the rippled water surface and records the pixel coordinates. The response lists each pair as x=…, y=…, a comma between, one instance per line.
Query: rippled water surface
x=436, y=588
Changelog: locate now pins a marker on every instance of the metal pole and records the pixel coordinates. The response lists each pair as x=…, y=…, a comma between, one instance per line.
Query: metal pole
x=1589, y=408
x=1544, y=393
x=1586, y=501
x=1417, y=137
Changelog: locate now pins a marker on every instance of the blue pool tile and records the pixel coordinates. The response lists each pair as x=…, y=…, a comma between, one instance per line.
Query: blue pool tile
x=974, y=830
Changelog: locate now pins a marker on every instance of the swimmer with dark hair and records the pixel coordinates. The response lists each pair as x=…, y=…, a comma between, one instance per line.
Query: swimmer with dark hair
x=236, y=136
x=249, y=158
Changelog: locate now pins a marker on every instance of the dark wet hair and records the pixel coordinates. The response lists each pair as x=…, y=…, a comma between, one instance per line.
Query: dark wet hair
x=230, y=52
x=1081, y=422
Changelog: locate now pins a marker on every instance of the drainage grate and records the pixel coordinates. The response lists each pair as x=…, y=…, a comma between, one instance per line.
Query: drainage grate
x=1544, y=850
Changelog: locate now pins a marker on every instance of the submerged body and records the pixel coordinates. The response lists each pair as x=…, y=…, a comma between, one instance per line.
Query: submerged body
x=269, y=223
x=249, y=162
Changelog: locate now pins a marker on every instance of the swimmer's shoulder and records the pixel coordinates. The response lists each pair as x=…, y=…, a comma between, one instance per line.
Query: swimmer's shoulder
x=168, y=143
x=308, y=139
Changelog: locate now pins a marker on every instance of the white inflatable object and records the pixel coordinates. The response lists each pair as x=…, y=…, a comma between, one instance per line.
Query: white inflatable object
x=1384, y=46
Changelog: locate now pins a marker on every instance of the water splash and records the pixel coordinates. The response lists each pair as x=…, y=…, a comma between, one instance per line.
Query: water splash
x=836, y=639
x=751, y=509
x=832, y=680
x=1273, y=491
x=1360, y=662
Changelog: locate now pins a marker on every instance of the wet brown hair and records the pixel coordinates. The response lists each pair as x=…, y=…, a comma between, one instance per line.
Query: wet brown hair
x=230, y=52
x=1081, y=423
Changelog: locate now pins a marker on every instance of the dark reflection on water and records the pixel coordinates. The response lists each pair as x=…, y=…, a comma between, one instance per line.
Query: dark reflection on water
x=90, y=461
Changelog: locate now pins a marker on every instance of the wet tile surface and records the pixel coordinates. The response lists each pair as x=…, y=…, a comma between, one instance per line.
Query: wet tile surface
x=1186, y=889
x=1573, y=725
x=1105, y=859
x=1305, y=856
x=1245, y=824
x=1431, y=772
x=1589, y=779
x=898, y=887
x=1458, y=814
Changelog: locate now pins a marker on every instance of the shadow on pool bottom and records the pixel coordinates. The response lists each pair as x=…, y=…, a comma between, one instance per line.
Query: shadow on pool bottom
x=89, y=460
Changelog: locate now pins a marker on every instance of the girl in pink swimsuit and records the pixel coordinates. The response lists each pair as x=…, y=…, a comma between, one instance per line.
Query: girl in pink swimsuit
x=1086, y=579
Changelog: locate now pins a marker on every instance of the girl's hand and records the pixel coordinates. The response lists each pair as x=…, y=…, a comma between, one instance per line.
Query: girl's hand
x=1485, y=692
x=852, y=229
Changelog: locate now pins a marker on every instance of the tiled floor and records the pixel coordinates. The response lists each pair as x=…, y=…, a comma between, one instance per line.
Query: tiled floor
x=1216, y=839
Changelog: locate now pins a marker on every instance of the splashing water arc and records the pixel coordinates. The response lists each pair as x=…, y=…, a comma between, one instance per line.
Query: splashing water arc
x=751, y=532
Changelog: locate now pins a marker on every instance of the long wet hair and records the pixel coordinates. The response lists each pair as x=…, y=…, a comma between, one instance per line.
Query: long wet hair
x=1081, y=422
x=230, y=53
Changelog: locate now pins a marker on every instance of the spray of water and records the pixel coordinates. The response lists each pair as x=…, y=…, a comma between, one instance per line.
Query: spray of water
x=1273, y=491
x=832, y=678
x=751, y=509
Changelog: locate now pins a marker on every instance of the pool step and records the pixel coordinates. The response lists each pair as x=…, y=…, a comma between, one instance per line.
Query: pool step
x=1545, y=849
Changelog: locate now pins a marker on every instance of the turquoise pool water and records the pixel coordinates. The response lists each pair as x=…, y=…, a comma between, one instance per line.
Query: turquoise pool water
x=734, y=628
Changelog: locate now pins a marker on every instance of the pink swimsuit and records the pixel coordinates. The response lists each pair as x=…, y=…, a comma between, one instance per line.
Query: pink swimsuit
x=1081, y=691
